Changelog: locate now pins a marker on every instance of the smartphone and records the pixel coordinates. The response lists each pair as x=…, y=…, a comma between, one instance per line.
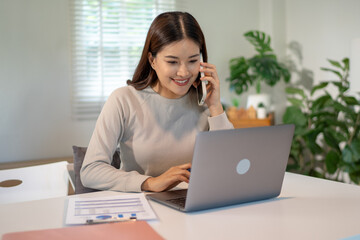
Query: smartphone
x=201, y=88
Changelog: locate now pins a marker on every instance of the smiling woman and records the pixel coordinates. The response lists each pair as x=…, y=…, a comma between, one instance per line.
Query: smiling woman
x=156, y=118
x=177, y=66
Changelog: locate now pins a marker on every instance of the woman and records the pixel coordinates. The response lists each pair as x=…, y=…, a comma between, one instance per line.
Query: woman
x=155, y=119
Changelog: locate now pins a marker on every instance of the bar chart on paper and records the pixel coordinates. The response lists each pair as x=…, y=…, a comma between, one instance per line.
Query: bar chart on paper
x=81, y=209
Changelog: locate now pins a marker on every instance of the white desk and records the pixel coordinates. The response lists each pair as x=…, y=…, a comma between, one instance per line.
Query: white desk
x=38, y=182
x=308, y=208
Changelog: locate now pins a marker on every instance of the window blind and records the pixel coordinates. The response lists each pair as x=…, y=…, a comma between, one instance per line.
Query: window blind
x=107, y=41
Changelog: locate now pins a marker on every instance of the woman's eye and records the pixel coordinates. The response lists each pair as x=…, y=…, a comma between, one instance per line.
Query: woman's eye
x=193, y=61
x=171, y=62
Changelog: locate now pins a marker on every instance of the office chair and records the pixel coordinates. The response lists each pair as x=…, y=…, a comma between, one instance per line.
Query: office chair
x=79, y=154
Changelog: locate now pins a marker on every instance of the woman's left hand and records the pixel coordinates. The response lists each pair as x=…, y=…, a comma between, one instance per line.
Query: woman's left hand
x=213, y=88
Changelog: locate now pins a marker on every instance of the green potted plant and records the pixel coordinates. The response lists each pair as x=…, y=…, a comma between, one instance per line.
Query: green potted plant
x=326, y=142
x=261, y=111
x=262, y=67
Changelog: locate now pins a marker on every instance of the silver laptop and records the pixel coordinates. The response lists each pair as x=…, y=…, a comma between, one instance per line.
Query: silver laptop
x=233, y=166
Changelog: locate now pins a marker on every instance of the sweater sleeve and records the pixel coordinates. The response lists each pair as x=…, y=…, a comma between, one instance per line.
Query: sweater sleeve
x=219, y=122
x=96, y=171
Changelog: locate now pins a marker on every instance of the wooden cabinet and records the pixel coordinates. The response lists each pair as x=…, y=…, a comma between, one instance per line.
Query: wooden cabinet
x=246, y=122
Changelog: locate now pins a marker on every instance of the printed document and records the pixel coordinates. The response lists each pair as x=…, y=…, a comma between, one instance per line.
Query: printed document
x=80, y=209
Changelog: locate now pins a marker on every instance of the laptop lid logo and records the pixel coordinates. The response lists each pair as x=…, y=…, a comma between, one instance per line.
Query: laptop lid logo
x=243, y=166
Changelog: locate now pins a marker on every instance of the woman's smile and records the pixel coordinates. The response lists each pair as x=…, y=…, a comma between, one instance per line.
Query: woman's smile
x=181, y=82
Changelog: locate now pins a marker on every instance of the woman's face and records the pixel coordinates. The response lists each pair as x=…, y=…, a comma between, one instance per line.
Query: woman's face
x=177, y=66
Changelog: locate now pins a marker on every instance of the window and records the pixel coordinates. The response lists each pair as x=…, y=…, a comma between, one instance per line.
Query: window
x=107, y=41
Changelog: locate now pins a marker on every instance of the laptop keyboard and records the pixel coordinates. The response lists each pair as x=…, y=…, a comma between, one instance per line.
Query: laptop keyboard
x=178, y=201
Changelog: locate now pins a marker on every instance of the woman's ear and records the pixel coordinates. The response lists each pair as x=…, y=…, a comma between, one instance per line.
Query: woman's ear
x=151, y=59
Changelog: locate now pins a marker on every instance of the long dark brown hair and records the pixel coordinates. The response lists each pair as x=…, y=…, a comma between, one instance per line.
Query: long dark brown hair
x=166, y=28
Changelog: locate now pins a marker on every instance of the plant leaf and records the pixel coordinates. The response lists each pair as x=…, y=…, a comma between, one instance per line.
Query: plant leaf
x=239, y=77
x=235, y=102
x=355, y=177
x=310, y=138
x=347, y=155
x=331, y=161
x=320, y=102
x=294, y=90
x=319, y=86
x=285, y=73
x=296, y=102
x=315, y=173
x=341, y=108
x=330, y=139
x=346, y=62
x=259, y=40
x=331, y=120
x=350, y=100
x=333, y=71
x=355, y=149
x=267, y=67
x=335, y=64
x=340, y=86
x=339, y=136
x=294, y=115
x=323, y=113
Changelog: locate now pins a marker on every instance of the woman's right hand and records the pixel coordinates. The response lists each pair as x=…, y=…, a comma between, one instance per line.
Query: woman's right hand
x=168, y=179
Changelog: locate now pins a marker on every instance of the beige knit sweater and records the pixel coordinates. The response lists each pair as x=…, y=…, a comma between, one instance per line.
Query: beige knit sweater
x=153, y=133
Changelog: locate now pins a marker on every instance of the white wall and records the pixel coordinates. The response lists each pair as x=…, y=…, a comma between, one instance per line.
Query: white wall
x=35, y=82
x=324, y=29
x=35, y=92
x=224, y=24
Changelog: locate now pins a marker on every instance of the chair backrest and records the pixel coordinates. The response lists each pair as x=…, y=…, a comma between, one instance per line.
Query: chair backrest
x=79, y=154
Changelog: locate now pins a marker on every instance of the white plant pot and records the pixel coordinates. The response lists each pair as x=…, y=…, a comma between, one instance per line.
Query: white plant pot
x=255, y=99
x=261, y=113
